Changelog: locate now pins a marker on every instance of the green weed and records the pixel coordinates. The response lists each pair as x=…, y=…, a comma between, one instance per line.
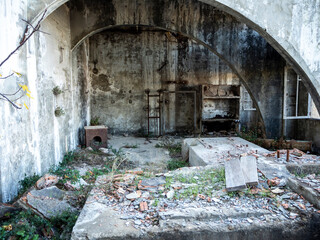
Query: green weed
x=130, y=146
x=28, y=182
x=65, y=171
x=25, y=225
x=95, y=121
x=175, y=164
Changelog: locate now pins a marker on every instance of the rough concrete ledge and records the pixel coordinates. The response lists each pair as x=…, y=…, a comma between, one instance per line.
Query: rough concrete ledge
x=304, y=168
x=307, y=192
x=100, y=222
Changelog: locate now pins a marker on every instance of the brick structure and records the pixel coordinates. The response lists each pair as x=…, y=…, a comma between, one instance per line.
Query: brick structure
x=96, y=136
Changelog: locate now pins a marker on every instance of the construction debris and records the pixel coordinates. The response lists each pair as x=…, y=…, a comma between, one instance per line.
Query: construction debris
x=47, y=202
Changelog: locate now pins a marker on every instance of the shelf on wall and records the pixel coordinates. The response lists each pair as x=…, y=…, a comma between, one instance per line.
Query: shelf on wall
x=220, y=119
x=222, y=97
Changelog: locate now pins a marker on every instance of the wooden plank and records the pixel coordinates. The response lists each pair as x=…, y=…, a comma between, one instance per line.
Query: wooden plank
x=234, y=177
x=249, y=169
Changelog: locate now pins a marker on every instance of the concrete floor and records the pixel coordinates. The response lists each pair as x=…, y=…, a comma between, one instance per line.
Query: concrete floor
x=103, y=218
x=141, y=152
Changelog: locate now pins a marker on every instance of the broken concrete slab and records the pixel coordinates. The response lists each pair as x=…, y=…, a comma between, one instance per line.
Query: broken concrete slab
x=307, y=192
x=110, y=216
x=213, y=151
x=272, y=169
x=249, y=169
x=47, y=202
x=99, y=221
x=235, y=179
x=222, y=148
x=304, y=169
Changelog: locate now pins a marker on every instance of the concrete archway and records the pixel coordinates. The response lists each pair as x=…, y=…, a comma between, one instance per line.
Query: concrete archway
x=247, y=53
x=264, y=17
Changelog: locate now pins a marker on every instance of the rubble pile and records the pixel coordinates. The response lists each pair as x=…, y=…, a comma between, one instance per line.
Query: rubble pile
x=142, y=200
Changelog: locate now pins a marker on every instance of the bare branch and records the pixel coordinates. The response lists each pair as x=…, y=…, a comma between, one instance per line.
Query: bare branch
x=12, y=93
x=25, y=37
x=18, y=98
x=28, y=23
x=12, y=103
x=34, y=28
x=7, y=76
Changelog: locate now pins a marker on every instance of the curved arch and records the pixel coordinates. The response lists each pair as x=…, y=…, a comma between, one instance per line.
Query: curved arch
x=228, y=63
x=285, y=48
x=40, y=9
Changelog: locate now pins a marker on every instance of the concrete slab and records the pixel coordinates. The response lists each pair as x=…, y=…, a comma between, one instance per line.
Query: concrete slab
x=213, y=151
x=306, y=191
x=141, y=152
x=234, y=176
x=249, y=169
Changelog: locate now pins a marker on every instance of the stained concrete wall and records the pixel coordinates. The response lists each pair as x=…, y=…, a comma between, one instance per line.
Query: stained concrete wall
x=131, y=60
x=254, y=61
x=290, y=26
x=300, y=129
x=34, y=140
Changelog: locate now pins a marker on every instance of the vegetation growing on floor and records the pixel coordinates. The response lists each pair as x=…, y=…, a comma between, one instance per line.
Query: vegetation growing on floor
x=65, y=171
x=130, y=146
x=204, y=183
x=176, y=163
x=175, y=153
x=27, y=225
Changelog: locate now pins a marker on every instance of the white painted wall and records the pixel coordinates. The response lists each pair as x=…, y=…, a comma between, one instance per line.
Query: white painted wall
x=33, y=140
